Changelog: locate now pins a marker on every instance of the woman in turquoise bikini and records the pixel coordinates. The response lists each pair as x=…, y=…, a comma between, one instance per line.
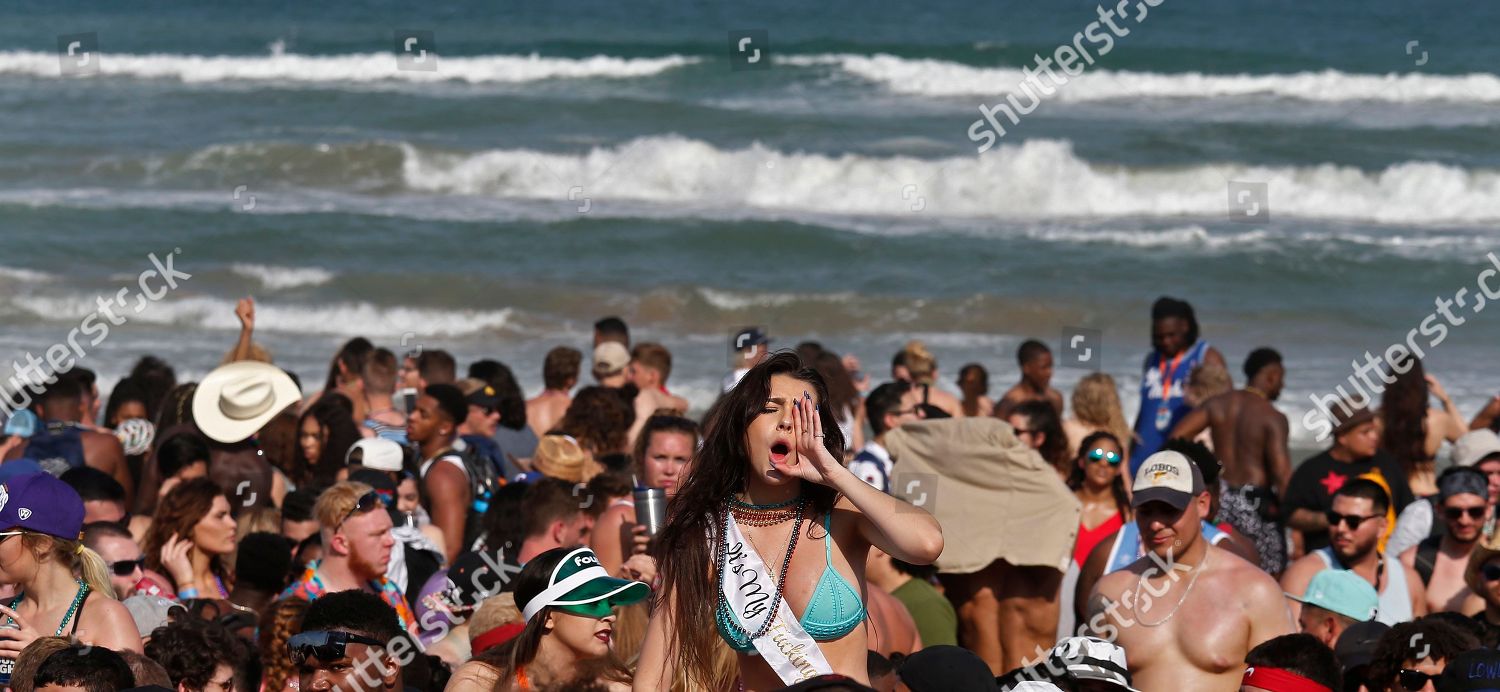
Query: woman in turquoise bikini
x=780, y=576
x=64, y=588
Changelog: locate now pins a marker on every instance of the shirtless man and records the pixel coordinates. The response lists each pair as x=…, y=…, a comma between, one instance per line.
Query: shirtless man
x=62, y=442
x=1250, y=436
x=1463, y=506
x=1188, y=612
x=559, y=376
x=1035, y=360
x=381, y=417
x=1118, y=550
x=650, y=366
x=1356, y=521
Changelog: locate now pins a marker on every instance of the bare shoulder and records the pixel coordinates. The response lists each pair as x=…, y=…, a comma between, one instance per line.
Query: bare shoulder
x=1113, y=584
x=1301, y=571
x=107, y=623
x=1246, y=577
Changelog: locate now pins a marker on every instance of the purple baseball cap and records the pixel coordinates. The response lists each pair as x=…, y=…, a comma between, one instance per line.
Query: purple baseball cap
x=42, y=503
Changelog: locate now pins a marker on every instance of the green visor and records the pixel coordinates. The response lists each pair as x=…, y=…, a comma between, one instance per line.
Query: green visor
x=578, y=585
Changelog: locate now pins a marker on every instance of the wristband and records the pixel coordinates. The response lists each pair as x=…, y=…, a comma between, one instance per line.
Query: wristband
x=187, y=593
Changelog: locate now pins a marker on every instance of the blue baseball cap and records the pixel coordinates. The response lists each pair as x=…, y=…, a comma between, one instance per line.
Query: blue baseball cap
x=42, y=503
x=1343, y=592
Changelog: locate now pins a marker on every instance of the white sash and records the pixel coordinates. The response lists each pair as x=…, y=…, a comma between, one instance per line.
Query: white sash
x=750, y=587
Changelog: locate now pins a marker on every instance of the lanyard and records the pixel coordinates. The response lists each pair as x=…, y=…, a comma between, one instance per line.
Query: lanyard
x=1166, y=375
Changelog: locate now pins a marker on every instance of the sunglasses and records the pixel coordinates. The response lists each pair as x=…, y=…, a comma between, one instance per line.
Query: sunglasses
x=1453, y=513
x=367, y=502
x=125, y=568
x=324, y=646
x=1414, y=680
x=1490, y=571
x=1351, y=520
x=6, y=535
x=1098, y=453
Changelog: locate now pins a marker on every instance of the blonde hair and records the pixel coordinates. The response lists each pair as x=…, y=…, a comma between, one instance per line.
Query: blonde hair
x=919, y=362
x=79, y=560
x=257, y=520
x=1097, y=403
x=337, y=502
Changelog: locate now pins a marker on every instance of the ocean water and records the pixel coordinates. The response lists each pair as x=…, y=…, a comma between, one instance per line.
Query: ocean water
x=565, y=161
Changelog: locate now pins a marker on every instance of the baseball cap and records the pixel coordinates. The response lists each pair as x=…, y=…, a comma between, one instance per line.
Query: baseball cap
x=42, y=503
x=1356, y=646
x=478, y=393
x=1091, y=658
x=1473, y=446
x=376, y=453
x=577, y=584
x=150, y=612
x=1472, y=671
x=609, y=358
x=1342, y=592
x=946, y=668
x=1461, y=480
x=1345, y=416
x=1167, y=477
x=749, y=336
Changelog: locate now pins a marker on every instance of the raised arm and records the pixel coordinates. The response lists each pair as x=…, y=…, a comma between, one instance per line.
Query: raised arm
x=906, y=532
x=245, y=310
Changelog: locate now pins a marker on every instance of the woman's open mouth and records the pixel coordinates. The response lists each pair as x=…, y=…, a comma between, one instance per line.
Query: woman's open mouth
x=603, y=635
x=780, y=450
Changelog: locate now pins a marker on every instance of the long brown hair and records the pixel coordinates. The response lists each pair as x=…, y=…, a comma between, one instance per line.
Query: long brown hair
x=1403, y=413
x=178, y=513
x=697, y=510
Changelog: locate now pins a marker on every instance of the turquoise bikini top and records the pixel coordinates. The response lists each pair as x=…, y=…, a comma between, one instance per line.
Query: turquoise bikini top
x=834, y=610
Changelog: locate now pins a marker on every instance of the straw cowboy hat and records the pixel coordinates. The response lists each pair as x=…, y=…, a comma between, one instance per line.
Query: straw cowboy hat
x=1487, y=548
x=236, y=400
x=560, y=456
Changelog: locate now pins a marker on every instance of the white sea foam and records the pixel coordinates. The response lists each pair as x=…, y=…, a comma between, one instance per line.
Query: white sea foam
x=343, y=319
x=927, y=77
x=1035, y=179
x=278, y=278
x=358, y=67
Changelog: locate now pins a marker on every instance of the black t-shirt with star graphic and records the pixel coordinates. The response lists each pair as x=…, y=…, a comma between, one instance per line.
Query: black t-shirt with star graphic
x=1316, y=480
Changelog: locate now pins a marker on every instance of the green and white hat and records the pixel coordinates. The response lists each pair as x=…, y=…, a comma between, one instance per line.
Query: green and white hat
x=578, y=585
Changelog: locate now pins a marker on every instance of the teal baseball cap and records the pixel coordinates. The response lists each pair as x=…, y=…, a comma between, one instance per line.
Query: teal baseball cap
x=1343, y=592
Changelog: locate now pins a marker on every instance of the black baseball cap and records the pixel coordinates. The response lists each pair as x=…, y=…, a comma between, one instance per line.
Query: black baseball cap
x=749, y=336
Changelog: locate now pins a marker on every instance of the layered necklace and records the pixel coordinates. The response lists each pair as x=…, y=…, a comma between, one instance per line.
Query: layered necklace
x=736, y=510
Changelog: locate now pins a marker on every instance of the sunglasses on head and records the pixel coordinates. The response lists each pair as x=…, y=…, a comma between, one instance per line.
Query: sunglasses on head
x=324, y=646
x=367, y=502
x=125, y=568
x=1490, y=571
x=1453, y=513
x=1351, y=520
x=1098, y=453
x=1414, y=680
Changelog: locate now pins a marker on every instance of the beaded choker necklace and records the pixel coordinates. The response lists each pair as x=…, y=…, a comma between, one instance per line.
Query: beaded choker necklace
x=765, y=515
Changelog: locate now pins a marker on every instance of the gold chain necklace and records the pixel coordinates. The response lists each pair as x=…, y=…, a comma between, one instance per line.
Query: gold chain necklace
x=1198, y=570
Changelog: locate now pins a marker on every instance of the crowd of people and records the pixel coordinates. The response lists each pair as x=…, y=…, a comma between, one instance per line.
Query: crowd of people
x=399, y=527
